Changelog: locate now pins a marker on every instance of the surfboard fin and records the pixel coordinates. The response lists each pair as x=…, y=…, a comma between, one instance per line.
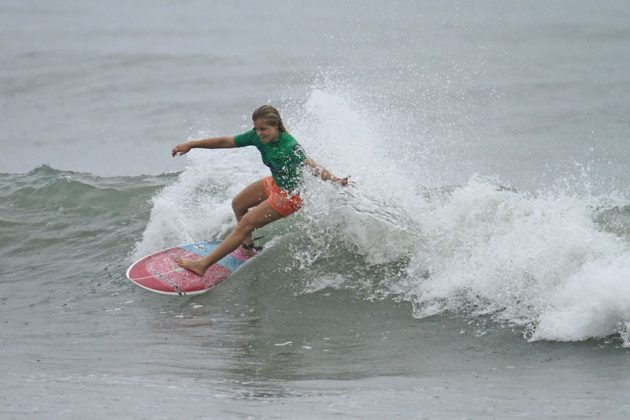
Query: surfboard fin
x=253, y=244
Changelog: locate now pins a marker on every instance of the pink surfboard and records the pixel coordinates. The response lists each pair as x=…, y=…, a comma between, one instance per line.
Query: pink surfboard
x=159, y=273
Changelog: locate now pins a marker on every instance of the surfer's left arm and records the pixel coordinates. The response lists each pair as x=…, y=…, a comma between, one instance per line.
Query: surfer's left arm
x=318, y=170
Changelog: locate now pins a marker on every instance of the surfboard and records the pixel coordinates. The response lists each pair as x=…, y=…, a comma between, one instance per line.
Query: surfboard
x=159, y=273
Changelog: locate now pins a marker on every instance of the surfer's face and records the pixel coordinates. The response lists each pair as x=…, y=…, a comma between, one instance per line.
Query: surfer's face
x=266, y=132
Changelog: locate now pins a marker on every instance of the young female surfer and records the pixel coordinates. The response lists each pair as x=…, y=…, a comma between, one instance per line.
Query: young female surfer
x=267, y=199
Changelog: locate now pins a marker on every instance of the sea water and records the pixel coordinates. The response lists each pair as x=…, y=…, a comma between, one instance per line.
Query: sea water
x=479, y=268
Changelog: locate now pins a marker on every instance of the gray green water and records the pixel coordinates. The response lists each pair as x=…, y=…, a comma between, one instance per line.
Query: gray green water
x=480, y=268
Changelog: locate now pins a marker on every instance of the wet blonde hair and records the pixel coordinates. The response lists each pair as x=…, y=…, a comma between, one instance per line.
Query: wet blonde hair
x=270, y=115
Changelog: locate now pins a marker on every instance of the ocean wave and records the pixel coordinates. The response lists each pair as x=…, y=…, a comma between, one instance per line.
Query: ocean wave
x=550, y=262
x=57, y=214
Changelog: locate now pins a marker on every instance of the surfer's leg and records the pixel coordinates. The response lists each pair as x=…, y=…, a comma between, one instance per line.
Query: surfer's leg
x=251, y=196
x=255, y=218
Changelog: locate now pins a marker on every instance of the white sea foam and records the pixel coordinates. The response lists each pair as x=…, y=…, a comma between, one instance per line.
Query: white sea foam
x=537, y=260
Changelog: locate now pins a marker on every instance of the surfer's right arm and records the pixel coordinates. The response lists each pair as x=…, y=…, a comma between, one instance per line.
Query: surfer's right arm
x=211, y=143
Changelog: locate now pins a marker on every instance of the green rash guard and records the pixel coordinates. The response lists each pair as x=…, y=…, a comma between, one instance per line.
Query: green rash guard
x=284, y=156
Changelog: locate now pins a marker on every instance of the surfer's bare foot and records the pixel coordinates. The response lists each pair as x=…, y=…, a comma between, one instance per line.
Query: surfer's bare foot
x=196, y=266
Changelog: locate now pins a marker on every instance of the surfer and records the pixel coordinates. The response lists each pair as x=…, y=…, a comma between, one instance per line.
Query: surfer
x=267, y=199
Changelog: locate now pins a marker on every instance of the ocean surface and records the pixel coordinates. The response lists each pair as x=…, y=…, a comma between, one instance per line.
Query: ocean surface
x=480, y=267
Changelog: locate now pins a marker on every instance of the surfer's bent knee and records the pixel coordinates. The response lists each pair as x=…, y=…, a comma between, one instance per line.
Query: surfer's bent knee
x=245, y=224
x=236, y=208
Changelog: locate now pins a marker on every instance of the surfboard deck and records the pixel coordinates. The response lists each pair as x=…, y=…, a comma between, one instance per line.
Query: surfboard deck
x=159, y=273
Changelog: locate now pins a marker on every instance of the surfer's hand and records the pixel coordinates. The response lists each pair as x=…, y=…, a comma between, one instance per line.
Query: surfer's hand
x=344, y=182
x=181, y=149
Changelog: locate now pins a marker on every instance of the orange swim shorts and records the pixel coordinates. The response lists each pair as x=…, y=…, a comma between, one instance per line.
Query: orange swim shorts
x=281, y=201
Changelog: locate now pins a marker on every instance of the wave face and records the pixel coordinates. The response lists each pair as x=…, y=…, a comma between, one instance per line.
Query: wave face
x=554, y=262
x=56, y=221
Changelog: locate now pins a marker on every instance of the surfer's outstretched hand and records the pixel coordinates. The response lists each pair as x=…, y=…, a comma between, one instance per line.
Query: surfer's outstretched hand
x=181, y=149
x=345, y=182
